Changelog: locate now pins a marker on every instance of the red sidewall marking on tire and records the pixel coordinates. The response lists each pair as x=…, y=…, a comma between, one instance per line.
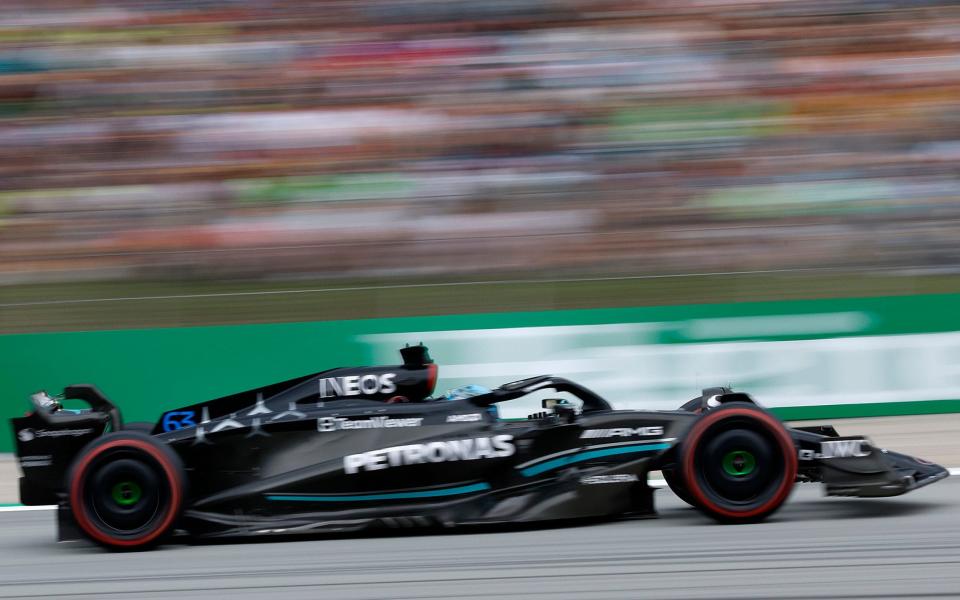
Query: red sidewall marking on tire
x=786, y=447
x=80, y=509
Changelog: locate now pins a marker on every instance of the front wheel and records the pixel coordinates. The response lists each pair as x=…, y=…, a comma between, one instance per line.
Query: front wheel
x=739, y=463
x=675, y=483
x=126, y=490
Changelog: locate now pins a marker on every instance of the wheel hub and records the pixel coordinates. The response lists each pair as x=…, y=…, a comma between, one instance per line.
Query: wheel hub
x=739, y=463
x=126, y=493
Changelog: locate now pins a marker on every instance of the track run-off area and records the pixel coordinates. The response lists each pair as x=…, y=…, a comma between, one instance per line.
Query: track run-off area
x=814, y=547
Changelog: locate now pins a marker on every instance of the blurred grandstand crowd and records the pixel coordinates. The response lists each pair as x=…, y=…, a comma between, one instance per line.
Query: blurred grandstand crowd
x=147, y=139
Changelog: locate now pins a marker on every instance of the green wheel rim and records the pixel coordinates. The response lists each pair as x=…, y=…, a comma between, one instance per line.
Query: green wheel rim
x=126, y=493
x=739, y=463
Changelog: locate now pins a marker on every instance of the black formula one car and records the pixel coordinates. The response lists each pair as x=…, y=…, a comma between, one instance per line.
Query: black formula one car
x=354, y=448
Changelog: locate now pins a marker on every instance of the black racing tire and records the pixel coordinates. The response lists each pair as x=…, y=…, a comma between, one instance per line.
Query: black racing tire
x=738, y=463
x=126, y=490
x=675, y=483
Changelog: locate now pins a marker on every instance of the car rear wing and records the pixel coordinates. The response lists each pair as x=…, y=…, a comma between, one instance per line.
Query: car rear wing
x=50, y=436
x=51, y=410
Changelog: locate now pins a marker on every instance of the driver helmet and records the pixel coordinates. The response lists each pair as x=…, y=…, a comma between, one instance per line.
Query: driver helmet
x=466, y=391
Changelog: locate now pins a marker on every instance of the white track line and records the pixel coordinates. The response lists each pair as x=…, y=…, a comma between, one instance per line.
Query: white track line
x=27, y=508
x=446, y=284
x=653, y=482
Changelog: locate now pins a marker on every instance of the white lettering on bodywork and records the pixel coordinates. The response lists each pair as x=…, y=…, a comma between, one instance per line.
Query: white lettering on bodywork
x=498, y=446
x=356, y=385
x=339, y=423
x=623, y=432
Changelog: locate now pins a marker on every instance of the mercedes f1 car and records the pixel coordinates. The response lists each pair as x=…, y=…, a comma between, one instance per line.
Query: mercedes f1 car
x=355, y=448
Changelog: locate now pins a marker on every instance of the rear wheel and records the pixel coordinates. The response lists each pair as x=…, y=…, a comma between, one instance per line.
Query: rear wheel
x=738, y=463
x=126, y=490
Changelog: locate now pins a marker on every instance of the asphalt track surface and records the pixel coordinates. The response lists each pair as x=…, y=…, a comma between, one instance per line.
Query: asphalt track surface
x=815, y=547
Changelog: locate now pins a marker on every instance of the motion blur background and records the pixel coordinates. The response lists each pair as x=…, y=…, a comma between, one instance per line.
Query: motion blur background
x=223, y=160
x=281, y=165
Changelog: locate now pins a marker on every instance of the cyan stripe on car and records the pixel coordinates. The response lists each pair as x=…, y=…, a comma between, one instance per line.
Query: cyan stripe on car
x=454, y=491
x=588, y=455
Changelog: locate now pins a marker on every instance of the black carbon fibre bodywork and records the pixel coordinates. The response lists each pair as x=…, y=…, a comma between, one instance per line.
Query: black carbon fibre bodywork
x=348, y=449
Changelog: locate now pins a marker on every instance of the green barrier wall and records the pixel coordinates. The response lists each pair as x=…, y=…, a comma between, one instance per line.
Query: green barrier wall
x=891, y=355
